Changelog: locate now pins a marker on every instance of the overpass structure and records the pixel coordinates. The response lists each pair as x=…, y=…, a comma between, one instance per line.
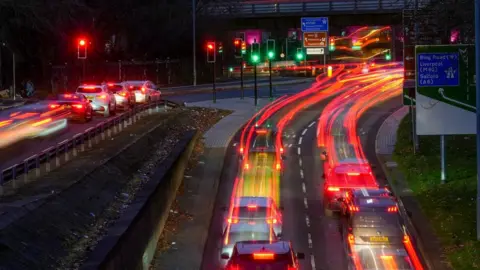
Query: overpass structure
x=276, y=8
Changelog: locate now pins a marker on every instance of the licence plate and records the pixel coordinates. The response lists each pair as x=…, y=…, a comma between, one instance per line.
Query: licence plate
x=68, y=106
x=382, y=239
x=90, y=98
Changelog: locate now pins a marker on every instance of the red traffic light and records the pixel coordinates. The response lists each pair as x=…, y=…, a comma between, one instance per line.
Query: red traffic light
x=211, y=46
x=237, y=42
x=82, y=42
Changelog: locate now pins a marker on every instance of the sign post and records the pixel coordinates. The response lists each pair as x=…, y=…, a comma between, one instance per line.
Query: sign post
x=477, y=92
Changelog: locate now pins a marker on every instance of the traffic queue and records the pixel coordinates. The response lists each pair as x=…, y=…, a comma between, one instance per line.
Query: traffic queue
x=56, y=112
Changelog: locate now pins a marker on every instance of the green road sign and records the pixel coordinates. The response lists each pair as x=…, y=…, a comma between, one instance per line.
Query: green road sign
x=447, y=73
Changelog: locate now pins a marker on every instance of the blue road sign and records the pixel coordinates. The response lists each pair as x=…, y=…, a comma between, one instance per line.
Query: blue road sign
x=319, y=24
x=438, y=69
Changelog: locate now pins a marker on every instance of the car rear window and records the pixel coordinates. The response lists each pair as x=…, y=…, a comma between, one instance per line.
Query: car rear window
x=375, y=202
x=246, y=212
x=115, y=88
x=89, y=90
x=248, y=262
x=248, y=236
x=263, y=141
x=371, y=219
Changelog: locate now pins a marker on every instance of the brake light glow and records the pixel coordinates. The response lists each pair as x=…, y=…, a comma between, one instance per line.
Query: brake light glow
x=77, y=106
x=53, y=106
x=353, y=174
x=110, y=84
x=102, y=97
x=292, y=268
x=263, y=256
x=278, y=166
x=351, y=239
x=406, y=239
x=131, y=87
x=69, y=96
x=89, y=87
x=5, y=123
x=232, y=220
x=386, y=257
x=281, y=150
x=246, y=166
x=251, y=206
x=354, y=208
x=392, y=209
x=272, y=221
x=122, y=94
x=261, y=131
x=143, y=89
x=333, y=189
x=44, y=121
x=241, y=149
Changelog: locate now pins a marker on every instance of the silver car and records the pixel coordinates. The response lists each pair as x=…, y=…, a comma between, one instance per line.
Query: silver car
x=145, y=91
x=102, y=100
x=244, y=231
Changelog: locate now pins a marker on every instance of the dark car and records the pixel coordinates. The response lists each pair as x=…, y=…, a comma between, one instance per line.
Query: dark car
x=78, y=105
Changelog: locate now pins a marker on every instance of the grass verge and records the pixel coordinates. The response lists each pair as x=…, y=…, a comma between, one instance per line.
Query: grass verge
x=450, y=207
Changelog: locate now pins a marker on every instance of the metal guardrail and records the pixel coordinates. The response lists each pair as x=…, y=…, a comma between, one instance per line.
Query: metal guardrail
x=80, y=140
x=249, y=9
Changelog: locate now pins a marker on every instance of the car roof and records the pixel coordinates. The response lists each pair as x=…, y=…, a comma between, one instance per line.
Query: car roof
x=91, y=85
x=249, y=247
x=375, y=219
x=370, y=192
x=245, y=227
x=136, y=82
x=250, y=200
x=353, y=161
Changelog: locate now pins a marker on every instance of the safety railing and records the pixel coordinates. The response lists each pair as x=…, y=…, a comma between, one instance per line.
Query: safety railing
x=248, y=8
x=79, y=142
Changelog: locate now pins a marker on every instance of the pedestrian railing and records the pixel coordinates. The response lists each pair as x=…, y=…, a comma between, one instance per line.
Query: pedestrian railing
x=66, y=149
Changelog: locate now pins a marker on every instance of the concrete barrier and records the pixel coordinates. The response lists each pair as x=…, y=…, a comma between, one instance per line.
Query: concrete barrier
x=132, y=241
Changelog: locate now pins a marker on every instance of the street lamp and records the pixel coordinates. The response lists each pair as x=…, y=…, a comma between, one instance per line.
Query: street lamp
x=14, y=69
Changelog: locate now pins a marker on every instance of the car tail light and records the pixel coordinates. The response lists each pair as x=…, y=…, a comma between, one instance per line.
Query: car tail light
x=272, y=221
x=123, y=94
x=89, y=87
x=281, y=150
x=102, y=97
x=406, y=239
x=354, y=208
x=263, y=256
x=353, y=174
x=143, y=89
x=53, y=106
x=278, y=167
x=261, y=131
x=246, y=166
x=292, y=268
x=44, y=121
x=110, y=84
x=77, y=106
x=392, y=209
x=5, y=123
x=333, y=189
x=241, y=149
x=351, y=239
x=251, y=206
x=232, y=220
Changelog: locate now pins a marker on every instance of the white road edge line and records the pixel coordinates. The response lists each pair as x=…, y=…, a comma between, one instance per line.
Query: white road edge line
x=304, y=189
x=304, y=131
x=312, y=262
x=310, y=243
x=300, y=140
x=299, y=151
x=301, y=173
x=300, y=162
x=311, y=124
x=305, y=202
x=307, y=221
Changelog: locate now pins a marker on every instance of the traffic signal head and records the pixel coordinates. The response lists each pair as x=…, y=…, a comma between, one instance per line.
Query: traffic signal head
x=255, y=52
x=237, y=43
x=220, y=48
x=211, y=54
x=244, y=47
x=271, y=48
x=255, y=58
x=300, y=54
x=271, y=55
x=82, y=49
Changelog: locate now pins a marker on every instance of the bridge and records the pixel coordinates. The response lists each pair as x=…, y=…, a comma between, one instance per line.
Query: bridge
x=277, y=8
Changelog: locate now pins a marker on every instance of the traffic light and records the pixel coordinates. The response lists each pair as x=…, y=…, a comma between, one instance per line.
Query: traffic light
x=331, y=46
x=82, y=49
x=220, y=47
x=237, y=43
x=300, y=55
x=244, y=47
x=211, y=55
x=255, y=52
x=271, y=48
x=388, y=56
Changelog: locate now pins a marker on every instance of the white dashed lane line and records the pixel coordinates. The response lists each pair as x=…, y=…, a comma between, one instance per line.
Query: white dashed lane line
x=299, y=151
x=301, y=173
x=312, y=262
x=311, y=124
x=310, y=244
x=300, y=162
x=300, y=140
x=304, y=189
x=304, y=131
x=305, y=203
x=307, y=221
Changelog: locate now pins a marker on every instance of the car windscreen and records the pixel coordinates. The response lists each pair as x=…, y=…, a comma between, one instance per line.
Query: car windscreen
x=115, y=87
x=250, y=212
x=89, y=90
x=249, y=235
x=263, y=141
x=248, y=262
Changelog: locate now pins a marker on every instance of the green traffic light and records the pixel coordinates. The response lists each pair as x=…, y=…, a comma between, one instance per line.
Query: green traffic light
x=299, y=56
x=230, y=69
x=388, y=57
x=255, y=58
x=271, y=55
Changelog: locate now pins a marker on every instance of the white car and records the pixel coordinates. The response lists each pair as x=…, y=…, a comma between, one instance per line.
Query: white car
x=145, y=91
x=100, y=97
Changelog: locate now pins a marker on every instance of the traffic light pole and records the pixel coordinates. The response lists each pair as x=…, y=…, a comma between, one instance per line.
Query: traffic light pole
x=241, y=79
x=255, y=89
x=214, y=83
x=83, y=70
x=270, y=79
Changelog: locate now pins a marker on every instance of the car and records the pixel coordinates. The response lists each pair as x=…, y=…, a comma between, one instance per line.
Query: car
x=101, y=98
x=343, y=176
x=278, y=255
x=381, y=257
x=144, y=91
x=359, y=200
x=78, y=105
x=255, y=210
x=243, y=231
x=124, y=98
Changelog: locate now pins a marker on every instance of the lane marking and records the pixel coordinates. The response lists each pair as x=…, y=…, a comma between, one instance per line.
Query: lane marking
x=304, y=189
x=305, y=203
x=294, y=135
x=307, y=221
x=300, y=162
x=299, y=151
x=290, y=145
x=312, y=262
x=311, y=124
x=301, y=173
x=304, y=131
x=310, y=243
x=300, y=140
